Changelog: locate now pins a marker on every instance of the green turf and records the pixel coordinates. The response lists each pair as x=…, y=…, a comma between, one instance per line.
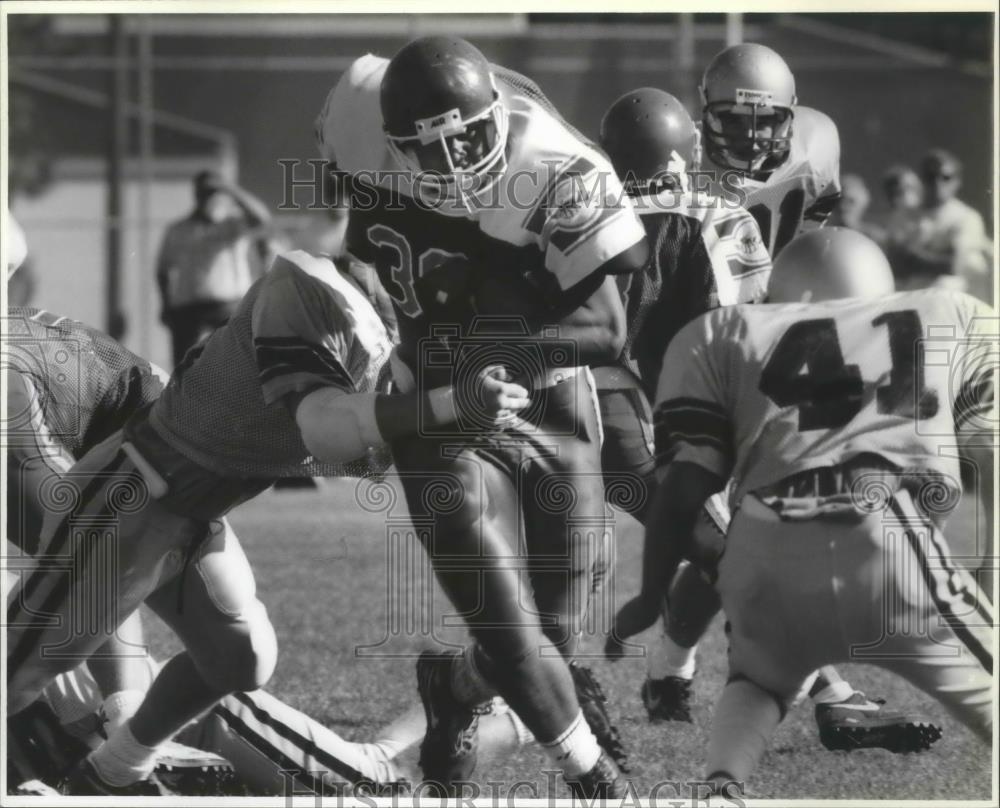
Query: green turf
x=320, y=562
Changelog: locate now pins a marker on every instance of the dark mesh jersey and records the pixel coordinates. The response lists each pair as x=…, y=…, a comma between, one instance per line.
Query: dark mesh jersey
x=702, y=255
x=87, y=383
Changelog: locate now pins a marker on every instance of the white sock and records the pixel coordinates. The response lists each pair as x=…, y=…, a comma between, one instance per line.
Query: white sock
x=120, y=707
x=521, y=732
x=833, y=693
x=667, y=658
x=122, y=760
x=576, y=750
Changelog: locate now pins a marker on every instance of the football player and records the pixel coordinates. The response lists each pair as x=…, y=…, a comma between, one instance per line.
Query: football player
x=69, y=387
x=467, y=185
x=839, y=422
x=781, y=161
x=288, y=387
x=706, y=253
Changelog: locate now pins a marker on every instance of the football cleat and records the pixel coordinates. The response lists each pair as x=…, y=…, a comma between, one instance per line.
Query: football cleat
x=35, y=788
x=593, y=702
x=84, y=781
x=860, y=723
x=603, y=782
x=667, y=699
x=451, y=743
x=194, y=772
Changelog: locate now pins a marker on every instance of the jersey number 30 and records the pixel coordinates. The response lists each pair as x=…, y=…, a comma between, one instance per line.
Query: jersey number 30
x=402, y=266
x=829, y=393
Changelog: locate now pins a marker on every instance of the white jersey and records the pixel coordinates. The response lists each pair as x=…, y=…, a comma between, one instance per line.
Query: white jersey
x=799, y=194
x=762, y=392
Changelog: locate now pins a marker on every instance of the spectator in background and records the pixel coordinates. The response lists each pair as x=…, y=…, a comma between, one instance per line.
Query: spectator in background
x=210, y=258
x=943, y=242
x=852, y=206
x=903, y=194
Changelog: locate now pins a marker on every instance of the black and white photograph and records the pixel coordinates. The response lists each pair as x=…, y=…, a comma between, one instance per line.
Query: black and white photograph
x=417, y=404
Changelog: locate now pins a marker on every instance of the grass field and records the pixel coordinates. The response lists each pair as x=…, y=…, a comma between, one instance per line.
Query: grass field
x=320, y=561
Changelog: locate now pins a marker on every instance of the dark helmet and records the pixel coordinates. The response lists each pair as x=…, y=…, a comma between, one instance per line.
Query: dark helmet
x=439, y=102
x=651, y=139
x=749, y=99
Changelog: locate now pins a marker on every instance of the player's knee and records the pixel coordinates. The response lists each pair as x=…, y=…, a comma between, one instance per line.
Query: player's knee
x=245, y=655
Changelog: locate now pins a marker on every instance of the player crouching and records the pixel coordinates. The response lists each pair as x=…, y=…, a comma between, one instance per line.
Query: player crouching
x=836, y=424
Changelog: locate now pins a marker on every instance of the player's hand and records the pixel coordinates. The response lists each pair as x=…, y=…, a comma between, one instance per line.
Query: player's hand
x=501, y=397
x=633, y=618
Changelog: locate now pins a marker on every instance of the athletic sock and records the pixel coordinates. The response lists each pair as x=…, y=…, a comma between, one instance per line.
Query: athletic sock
x=576, y=750
x=833, y=693
x=122, y=760
x=667, y=658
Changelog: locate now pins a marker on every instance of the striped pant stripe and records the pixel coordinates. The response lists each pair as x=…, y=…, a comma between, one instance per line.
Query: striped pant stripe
x=63, y=586
x=269, y=750
x=963, y=586
x=300, y=742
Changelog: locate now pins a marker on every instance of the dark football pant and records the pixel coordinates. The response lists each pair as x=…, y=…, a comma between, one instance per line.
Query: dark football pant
x=627, y=454
x=520, y=577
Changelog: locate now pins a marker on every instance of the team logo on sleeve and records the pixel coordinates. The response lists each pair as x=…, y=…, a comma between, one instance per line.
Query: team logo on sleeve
x=575, y=204
x=748, y=243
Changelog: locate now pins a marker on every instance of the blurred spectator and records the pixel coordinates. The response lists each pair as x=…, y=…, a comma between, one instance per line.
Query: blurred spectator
x=210, y=258
x=944, y=242
x=903, y=193
x=852, y=206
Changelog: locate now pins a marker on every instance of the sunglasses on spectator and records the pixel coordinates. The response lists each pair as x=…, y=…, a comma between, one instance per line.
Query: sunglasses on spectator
x=943, y=176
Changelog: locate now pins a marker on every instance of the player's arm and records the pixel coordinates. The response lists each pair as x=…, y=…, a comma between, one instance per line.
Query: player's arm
x=585, y=244
x=339, y=426
x=669, y=527
x=694, y=453
x=306, y=335
x=252, y=208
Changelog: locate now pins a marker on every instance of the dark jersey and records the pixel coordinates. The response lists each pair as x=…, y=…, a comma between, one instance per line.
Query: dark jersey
x=87, y=384
x=703, y=254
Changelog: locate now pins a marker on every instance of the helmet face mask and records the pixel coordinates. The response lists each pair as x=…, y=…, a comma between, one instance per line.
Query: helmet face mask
x=449, y=151
x=745, y=137
x=748, y=97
